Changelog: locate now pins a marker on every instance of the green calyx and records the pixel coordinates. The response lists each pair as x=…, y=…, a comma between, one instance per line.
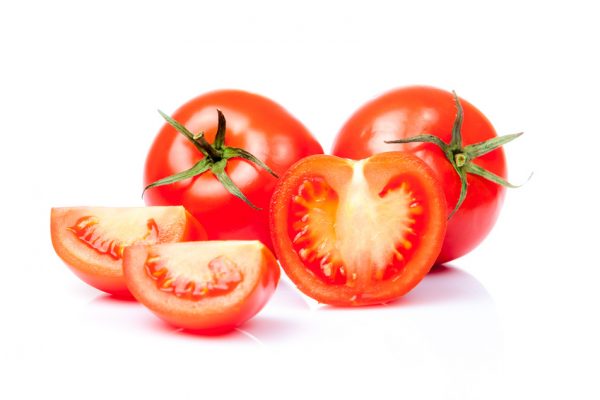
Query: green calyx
x=461, y=157
x=215, y=158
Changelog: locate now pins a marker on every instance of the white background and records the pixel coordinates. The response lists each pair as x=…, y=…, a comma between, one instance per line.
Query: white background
x=515, y=319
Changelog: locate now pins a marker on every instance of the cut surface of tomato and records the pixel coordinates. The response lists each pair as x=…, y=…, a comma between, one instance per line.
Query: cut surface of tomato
x=209, y=286
x=91, y=240
x=358, y=232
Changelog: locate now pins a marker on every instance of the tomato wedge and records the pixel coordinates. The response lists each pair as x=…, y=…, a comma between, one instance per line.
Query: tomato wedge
x=209, y=287
x=352, y=233
x=91, y=240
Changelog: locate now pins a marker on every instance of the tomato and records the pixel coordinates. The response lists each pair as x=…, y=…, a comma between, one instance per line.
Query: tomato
x=208, y=287
x=358, y=232
x=455, y=139
x=91, y=240
x=221, y=184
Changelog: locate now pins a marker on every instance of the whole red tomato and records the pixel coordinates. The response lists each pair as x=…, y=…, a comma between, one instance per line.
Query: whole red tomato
x=454, y=138
x=219, y=156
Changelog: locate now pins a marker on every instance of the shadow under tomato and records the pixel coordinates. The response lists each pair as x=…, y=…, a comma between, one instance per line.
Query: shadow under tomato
x=444, y=284
x=258, y=330
x=270, y=329
x=288, y=296
x=157, y=325
x=440, y=269
x=112, y=298
x=448, y=320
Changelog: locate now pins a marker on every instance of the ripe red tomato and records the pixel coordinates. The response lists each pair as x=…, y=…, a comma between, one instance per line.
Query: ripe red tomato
x=460, y=145
x=216, y=193
x=91, y=240
x=208, y=287
x=358, y=232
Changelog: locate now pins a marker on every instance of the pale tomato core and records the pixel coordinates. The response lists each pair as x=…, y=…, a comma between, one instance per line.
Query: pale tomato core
x=355, y=233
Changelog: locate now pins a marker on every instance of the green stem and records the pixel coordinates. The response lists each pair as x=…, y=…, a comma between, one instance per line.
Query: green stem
x=211, y=152
x=461, y=157
x=218, y=169
x=184, y=131
x=215, y=159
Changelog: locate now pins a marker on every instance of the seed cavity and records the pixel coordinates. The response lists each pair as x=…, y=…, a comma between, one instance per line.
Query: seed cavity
x=89, y=230
x=313, y=228
x=220, y=276
x=358, y=234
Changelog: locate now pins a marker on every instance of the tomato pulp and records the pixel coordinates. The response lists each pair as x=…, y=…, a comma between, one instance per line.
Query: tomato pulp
x=358, y=232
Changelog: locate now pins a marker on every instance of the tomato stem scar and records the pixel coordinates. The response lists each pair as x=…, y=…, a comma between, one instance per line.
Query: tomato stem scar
x=460, y=159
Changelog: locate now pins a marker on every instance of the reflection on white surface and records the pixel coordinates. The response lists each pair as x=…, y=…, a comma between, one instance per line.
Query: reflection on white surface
x=446, y=327
x=448, y=300
x=448, y=309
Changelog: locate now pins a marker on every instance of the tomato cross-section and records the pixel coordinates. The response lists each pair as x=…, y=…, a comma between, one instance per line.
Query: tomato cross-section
x=209, y=287
x=358, y=232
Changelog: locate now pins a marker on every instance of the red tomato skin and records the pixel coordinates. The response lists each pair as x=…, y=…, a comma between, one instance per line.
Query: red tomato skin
x=254, y=123
x=414, y=110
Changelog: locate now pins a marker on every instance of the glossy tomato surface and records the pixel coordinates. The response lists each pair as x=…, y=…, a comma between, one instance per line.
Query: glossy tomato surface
x=254, y=123
x=208, y=287
x=415, y=110
x=91, y=240
x=352, y=233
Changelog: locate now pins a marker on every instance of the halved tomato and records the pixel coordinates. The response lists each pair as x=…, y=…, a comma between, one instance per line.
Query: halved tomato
x=91, y=240
x=358, y=232
x=210, y=286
